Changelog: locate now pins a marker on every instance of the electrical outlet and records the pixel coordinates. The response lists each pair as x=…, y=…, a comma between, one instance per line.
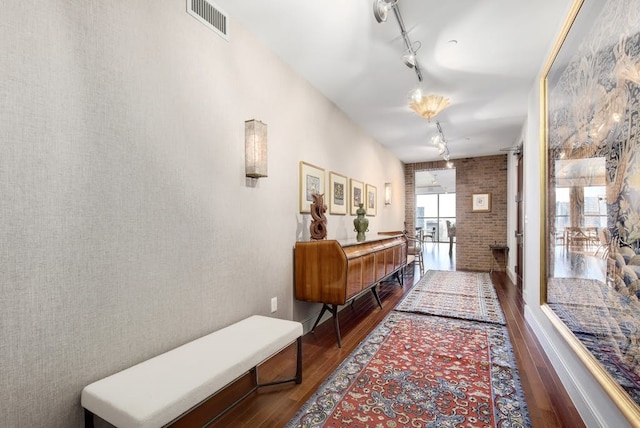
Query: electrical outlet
x=274, y=304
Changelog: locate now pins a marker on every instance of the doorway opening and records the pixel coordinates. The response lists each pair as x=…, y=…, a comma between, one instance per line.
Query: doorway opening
x=435, y=203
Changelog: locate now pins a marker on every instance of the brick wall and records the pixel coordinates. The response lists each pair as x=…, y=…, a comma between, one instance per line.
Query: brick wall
x=475, y=230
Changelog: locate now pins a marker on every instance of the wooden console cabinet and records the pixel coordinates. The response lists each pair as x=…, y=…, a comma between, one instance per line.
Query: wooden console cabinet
x=333, y=272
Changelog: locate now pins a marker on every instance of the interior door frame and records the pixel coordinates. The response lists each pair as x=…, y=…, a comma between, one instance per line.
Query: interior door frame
x=520, y=220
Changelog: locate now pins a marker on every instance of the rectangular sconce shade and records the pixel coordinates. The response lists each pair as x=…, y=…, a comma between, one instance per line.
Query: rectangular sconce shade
x=387, y=193
x=255, y=148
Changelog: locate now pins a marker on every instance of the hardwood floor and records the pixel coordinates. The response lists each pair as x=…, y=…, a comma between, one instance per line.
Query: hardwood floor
x=548, y=403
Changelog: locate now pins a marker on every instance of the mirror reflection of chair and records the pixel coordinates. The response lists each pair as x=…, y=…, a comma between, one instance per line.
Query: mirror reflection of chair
x=558, y=236
x=575, y=238
x=592, y=236
x=604, y=242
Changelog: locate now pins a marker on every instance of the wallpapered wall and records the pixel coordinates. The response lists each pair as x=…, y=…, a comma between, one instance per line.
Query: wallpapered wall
x=127, y=225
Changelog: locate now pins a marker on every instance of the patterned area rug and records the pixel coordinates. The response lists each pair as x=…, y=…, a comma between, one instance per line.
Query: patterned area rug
x=422, y=371
x=605, y=321
x=455, y=294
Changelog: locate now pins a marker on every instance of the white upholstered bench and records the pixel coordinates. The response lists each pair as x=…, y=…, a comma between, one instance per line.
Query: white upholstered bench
x=158, y=391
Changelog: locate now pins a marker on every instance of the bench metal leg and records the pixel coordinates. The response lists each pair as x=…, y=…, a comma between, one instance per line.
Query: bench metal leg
x=297, y=379
x=88, y=419
x=299, y=362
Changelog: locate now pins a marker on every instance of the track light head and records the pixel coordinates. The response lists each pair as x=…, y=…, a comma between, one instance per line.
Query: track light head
x=409, y=59
x=410, y=56
x=381, y=9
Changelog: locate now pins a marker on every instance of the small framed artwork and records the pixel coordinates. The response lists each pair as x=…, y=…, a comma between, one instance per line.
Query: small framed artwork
x=481, y=202
x=337, y=193
x=372, y=200
x=311, y=181
x=357, y=195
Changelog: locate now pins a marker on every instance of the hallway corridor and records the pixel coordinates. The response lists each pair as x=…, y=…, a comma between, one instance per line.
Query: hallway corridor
x=548, y=403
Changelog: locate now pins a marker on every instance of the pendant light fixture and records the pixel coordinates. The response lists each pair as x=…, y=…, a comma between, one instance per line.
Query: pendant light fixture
x=427, y=106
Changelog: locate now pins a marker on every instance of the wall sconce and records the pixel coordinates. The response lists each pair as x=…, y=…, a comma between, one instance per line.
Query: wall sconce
x=255, y=148
x=387, y=193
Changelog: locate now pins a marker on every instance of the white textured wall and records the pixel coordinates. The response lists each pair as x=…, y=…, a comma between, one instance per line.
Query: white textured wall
x=127, y=226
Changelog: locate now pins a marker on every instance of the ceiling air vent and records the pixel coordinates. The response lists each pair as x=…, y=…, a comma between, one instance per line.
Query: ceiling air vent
x=210, y=15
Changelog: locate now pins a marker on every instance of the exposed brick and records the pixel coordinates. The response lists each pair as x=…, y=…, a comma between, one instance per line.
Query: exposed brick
x=475, y=231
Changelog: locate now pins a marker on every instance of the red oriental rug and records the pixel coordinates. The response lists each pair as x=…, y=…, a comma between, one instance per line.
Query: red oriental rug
x=422, y=371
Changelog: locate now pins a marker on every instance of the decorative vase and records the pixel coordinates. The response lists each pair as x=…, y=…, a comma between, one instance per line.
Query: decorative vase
x=361, y=224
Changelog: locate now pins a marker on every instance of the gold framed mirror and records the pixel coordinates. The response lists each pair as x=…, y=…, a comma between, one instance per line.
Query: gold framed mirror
x=590, y=93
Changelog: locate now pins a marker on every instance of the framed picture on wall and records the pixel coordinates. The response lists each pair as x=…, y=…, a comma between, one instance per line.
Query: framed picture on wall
x=481, y=202
x=311, y=181
x=356, y=195
x=337, y=193
x=371, y=202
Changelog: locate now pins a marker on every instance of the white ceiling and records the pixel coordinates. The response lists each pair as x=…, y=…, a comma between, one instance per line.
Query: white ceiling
x=488, y=73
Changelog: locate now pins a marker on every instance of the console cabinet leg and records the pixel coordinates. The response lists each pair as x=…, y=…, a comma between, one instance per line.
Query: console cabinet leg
x=324, y=308
x=374, y=290
x=336, y=325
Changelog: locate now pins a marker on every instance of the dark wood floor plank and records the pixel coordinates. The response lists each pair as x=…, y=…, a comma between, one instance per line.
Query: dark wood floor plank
x=548, y=403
